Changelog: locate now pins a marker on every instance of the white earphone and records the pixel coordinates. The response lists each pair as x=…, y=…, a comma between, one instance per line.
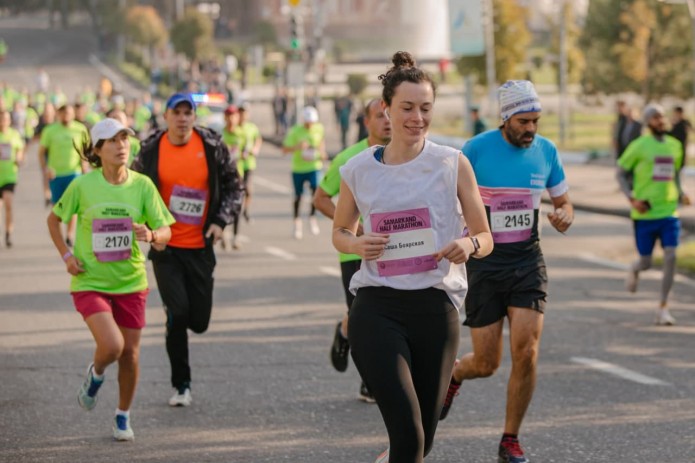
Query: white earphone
x=386, y=113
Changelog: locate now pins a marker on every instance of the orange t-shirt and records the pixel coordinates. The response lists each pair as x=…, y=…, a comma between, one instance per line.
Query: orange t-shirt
x=183, y=184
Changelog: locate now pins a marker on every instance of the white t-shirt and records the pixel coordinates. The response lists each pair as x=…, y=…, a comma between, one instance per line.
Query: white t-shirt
x=417, y=204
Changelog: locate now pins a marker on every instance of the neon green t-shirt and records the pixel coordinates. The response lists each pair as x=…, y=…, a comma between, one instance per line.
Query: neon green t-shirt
x=60, y=141
x=252, y=134
x=141, y=117
x=236, y=143
x=134, y=149
x=105, y=240
x=10, y=144
x=307, y=160
x=654, y=165
x=330, y=183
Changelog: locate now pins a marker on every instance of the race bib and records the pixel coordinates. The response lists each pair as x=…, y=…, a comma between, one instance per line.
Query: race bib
x=511, y=218
x=112, y=239
x=187, y=205
x=234, y=152
x=664, y=169
x=309, y=154
x=411, y=246
x=5, y=152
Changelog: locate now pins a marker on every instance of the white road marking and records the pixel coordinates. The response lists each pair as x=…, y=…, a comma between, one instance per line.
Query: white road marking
x=273, y=186
x=282, y=254
x=332, y=271
x=586, y=257
x=619, y=371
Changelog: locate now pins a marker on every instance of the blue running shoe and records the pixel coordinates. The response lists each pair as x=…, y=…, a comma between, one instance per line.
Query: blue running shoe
x=121, y=429
x=87, y=395
x=510, y=451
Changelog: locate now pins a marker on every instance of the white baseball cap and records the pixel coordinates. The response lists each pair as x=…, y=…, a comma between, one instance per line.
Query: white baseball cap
x=107, y=129
x=310, y=114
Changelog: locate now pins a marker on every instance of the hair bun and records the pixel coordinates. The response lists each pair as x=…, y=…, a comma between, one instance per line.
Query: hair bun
x=403, y=59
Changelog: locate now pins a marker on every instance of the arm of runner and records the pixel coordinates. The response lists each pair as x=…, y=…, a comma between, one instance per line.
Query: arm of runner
x=460, y=250
x=563, y=215
x=72, y=264
x=346, y=221
x=323, y=202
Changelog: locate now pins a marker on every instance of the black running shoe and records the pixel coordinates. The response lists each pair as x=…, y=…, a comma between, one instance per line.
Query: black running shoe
x=8, y=240
x=365, y=395
x=339, y=350
x=452, y=392
x=510, y=451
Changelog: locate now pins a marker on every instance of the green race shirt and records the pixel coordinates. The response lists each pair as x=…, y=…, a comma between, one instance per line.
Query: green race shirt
x=305, y=160
x=60, y=141
x=654, y=165
x=331, y=181
x=10, y=144
x=252, y=134
x=134, y=148
x=236, y=143
x=105, y=240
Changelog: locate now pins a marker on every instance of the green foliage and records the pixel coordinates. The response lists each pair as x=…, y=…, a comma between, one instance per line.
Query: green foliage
x=512, y=39
x=145, y=27
x=639, y=46
x=193, y=35
x=357, y=83
x=265, y=33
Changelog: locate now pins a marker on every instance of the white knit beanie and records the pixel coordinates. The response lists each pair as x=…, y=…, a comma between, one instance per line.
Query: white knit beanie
x=518, y=96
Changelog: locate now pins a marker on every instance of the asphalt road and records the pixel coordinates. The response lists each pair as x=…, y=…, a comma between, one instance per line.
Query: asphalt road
x=264, y=389
x=611, y=386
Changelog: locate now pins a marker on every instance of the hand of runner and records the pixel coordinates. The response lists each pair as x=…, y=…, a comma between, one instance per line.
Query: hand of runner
x=560, y=220
x=142, y=233
x=74, y=266
x=455, y=252
x=685, y=200
x=640, y=205
x=370, y=246
x=215, y=231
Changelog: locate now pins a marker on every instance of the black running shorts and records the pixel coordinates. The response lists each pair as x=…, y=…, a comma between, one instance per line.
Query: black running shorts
x=491, y=292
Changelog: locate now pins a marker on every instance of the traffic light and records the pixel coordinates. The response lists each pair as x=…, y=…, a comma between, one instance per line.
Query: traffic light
x=296, y=31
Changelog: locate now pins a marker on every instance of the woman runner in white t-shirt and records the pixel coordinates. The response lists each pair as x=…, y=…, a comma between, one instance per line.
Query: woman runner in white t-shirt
x=413, y=196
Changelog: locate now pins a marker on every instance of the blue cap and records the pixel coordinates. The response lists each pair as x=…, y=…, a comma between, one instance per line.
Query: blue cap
x=178, y=98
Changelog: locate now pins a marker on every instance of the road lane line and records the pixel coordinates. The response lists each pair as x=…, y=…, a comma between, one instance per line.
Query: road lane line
x=619, y=371
x=282, y=254
x=332, y=271
x=273, y=186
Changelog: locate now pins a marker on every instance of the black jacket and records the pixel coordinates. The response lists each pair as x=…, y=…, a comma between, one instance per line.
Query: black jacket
x=224, y=182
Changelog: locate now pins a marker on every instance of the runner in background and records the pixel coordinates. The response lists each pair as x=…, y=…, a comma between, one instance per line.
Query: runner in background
x=234, y=137
x=653, y=161
x=252, y=148
x=192, y=170
x=11, y=157
x=378, y=133
x=115, y=208
x=307, y=144
x=513, y=166
x=59, y=158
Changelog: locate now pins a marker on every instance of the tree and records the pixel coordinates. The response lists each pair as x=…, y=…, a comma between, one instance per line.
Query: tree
x=193, y=35
x=512, y=38
x=145, y=27
x=643, y=51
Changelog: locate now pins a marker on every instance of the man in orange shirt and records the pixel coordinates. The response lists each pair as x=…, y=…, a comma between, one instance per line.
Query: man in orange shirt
x=192, y=170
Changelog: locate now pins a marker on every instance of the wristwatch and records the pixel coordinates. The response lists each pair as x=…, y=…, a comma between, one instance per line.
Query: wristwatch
x=476, y=245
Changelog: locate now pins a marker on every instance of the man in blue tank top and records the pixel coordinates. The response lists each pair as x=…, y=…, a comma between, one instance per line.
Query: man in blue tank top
x=513, y=166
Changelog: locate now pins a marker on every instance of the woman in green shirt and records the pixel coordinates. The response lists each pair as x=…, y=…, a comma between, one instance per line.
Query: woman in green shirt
x=115, y=207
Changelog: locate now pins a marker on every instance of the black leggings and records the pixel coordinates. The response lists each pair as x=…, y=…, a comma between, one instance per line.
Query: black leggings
x=404, y=344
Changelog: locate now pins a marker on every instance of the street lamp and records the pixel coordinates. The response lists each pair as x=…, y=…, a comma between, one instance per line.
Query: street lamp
x=691, y=10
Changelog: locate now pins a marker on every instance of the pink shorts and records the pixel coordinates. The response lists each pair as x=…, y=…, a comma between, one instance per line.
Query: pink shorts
x=128, y=310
